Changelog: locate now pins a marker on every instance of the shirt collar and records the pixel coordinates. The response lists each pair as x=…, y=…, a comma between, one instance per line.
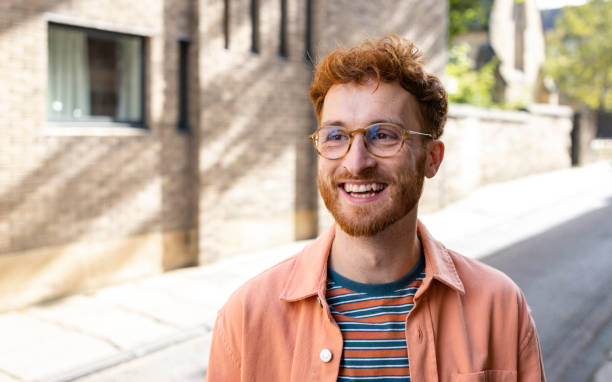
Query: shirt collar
x=309, y=273
x=438, y=262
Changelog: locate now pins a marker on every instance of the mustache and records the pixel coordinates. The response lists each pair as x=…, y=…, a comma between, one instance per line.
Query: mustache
x=366, y=174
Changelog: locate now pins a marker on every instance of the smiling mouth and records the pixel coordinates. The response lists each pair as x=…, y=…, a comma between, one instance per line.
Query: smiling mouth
x=363, y=190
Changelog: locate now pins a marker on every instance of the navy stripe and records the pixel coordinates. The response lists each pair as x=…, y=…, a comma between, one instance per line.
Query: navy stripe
x=386, y=378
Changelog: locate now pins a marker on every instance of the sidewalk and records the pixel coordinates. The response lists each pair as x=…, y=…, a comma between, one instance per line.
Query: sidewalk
x=80, y=335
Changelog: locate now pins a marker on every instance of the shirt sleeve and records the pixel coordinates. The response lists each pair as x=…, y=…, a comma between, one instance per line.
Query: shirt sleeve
x=223, y=362
x=530, y=367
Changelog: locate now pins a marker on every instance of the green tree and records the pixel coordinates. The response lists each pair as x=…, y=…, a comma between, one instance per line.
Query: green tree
x=467, y=15
x=467, y=85
x=579, y=53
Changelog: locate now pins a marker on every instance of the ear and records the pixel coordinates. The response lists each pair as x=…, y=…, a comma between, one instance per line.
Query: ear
x=434, y=155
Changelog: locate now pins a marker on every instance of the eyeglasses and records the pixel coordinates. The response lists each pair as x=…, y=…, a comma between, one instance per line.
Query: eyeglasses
x=381, y=139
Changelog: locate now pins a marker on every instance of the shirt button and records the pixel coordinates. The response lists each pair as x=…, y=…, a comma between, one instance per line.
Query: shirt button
x=420, y=335
x=325, y=355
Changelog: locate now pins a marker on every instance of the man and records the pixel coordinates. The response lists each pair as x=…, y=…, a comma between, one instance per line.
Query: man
x=376, y=298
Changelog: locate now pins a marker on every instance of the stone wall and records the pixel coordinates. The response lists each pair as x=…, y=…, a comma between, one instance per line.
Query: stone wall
x=85, y=206
x=489, y=146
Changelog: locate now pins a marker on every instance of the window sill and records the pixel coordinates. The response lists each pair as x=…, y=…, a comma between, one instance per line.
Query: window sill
x=83, y=130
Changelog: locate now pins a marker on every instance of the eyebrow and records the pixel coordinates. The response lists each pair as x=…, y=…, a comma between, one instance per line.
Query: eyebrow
x=373, y=122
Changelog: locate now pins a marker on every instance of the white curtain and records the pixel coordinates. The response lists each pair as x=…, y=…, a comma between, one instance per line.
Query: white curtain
x=130, y=90
x=68, y=82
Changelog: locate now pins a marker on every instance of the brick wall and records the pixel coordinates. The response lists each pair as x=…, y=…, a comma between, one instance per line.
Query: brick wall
x=81, y=207
x=257, y=167
x=347, y=22
x=255, y=118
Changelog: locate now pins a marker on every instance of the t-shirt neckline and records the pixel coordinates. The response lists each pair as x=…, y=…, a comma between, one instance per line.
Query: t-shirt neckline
x=377, y=289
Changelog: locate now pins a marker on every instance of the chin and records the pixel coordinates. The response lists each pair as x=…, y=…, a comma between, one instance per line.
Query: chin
x=362, y=226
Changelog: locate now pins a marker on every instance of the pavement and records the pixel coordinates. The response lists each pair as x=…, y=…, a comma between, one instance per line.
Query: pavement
x=79, y=336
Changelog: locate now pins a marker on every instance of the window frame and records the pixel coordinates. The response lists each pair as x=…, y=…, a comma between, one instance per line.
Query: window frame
x=103, y=121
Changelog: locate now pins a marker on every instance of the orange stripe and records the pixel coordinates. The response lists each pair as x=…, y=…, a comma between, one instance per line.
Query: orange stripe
x=336, y=292
x=375, y=353
x=375, y=372
x=371, y=303
x=375, y=319
x=372, y=335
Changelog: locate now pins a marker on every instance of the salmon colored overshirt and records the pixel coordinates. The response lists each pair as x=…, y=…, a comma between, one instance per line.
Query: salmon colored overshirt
x=469, y=322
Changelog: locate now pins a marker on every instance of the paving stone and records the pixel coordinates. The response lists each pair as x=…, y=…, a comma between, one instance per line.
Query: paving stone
x=32, y=349
x=104, y=320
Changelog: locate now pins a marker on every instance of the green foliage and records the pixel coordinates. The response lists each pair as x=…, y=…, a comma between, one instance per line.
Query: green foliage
x=579, y=53
x=468, y=85
x=467, y=15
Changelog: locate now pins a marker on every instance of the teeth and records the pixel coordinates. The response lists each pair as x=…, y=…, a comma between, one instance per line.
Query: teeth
x=349, y=187
x=368, y=195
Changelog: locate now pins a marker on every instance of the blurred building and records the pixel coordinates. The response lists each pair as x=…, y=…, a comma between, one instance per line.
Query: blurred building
x=514, y=36
x=142, y=136
x=515, y=32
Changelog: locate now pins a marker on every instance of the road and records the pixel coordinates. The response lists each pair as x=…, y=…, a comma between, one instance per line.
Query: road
x=566, y=274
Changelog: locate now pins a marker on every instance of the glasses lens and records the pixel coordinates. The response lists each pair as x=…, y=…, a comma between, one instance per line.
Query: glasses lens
x=383, y=139
x=333, y=141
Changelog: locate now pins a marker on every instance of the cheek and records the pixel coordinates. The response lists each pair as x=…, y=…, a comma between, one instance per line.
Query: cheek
x=413, y=160
x=325, y=168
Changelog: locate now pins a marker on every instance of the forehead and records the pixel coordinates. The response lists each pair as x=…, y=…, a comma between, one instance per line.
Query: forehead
x=361, y=104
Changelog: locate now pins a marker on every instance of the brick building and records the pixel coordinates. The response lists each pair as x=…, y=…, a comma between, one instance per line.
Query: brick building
x=141, y=136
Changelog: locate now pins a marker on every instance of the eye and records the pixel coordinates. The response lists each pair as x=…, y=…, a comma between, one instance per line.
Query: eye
x=381, y=135
x=336, y=137
x=384, y=132
x=334, y=134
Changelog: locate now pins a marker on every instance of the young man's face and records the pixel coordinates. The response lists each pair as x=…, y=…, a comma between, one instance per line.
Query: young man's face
x=393, y=184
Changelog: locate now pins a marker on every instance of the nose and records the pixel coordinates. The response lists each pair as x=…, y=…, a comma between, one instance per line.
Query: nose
x=358, y=157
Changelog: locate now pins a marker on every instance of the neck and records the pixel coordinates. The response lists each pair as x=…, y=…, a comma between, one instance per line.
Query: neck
x=382, y=258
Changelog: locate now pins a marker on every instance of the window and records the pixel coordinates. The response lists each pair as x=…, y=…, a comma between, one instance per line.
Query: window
x=95, y=76
x=226, y=24
x=282, y=48
x=255, y=26
x=183, y=80
x=308, y=34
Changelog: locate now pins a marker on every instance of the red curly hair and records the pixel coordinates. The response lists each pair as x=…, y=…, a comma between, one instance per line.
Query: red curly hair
x=391, y=58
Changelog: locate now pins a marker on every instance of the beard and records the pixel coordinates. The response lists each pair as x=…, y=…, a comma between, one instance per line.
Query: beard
x=368, y=220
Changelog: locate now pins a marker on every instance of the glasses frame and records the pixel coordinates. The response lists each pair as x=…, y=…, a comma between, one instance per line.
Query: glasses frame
x=405, y=134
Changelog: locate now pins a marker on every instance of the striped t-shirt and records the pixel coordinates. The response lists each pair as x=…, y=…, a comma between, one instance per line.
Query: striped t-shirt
x=372, y=319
